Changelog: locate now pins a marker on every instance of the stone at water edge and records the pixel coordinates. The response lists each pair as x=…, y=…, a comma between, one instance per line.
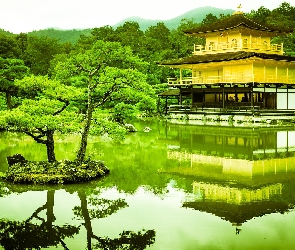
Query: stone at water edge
x=147, y=129
x=130, y=127
x=11, y=160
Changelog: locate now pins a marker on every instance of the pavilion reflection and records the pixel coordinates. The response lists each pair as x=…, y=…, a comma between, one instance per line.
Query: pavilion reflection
x=252, y=157
x=236, y=174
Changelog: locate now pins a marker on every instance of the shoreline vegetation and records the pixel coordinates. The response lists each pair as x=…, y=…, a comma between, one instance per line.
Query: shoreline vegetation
x=23, y=171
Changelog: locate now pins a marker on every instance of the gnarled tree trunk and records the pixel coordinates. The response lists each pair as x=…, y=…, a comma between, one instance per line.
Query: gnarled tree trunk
x=50, y=146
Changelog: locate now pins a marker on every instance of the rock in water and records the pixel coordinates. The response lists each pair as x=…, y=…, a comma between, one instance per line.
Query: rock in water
x=15, y=159
x=130, y=127
x=147, y=129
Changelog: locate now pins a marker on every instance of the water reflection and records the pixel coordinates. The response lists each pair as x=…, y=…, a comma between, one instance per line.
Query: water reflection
x=100, y=208
x=39, y=230
x=176, y=187
x=36, y=231
x=238, y=174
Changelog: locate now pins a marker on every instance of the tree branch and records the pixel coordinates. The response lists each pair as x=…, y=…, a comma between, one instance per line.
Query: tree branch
x=66, y=103
x=35, y=214
x=107, y=94
x=37, y=138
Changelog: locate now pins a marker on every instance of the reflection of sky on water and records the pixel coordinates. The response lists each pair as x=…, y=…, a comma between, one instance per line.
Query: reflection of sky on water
x=176, y=227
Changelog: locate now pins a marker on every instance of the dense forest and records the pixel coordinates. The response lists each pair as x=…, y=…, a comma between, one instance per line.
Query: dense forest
x=96, y=84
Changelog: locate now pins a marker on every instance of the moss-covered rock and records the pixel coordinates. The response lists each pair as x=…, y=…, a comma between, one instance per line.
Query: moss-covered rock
x=42, y=172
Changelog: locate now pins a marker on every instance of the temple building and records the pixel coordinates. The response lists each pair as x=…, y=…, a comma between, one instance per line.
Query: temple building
x=237, y=67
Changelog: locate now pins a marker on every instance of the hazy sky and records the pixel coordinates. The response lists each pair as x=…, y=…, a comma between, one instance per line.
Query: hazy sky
x=26, y=15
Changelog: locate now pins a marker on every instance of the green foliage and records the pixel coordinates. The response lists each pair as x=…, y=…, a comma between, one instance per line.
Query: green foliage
x=129, y=34
x=147, y=105
x=107, y=128
x=11, y=70
x=182, y=45
x=62, y=36
x=3, y=105
x=39, y=52
x=44, y=109
x=261, y=15
x=123, y=111
x=8, y=46
x=209, y=19
x=110, y=74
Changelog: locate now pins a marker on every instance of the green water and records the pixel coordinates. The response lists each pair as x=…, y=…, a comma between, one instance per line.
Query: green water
x=175, y=187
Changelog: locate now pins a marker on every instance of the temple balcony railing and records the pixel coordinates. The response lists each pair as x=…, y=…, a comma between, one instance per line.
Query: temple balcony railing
x=234, y=78
x=233, y=47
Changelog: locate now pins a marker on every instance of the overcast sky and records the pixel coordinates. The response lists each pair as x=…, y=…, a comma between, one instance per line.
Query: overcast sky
x=27, y=15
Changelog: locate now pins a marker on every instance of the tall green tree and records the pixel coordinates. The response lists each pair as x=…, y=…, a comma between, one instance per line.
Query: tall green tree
x=129, y=34
x=44, y=110
x=182, y=45
x=39, y=52
x=261, y=15
x=9, y=47
x=209, y=19
x=105, y=33
x=108, y=73
x=157, y=40
x=11, y=70
x=283, y=15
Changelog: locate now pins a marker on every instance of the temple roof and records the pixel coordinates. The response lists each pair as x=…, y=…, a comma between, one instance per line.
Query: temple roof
x=219, y=57
x=236, y=21
x=239, y=213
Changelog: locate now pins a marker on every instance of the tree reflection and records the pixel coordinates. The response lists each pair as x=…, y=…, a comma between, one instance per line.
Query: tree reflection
x=127, y=240
x=101, y=208
x=3, y=190
x=29, y=235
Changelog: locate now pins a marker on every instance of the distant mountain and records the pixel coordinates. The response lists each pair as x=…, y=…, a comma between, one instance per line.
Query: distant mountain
x=196, y=15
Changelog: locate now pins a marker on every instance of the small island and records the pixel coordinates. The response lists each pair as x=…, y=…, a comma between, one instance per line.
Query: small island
x=60, y=172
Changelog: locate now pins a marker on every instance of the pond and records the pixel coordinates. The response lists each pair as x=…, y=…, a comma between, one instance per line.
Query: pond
x=176, y=187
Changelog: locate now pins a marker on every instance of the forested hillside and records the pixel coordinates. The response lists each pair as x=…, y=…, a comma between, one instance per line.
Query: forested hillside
x=62, y=36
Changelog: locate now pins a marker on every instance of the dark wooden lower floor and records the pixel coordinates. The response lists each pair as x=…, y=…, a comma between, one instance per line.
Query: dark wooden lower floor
x=276, y=99
x=228, y=110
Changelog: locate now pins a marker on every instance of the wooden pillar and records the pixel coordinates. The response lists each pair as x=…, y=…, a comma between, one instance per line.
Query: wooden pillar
x=251, y=97
x=223, y=98
x=264, y=97
x=180, y=76
x=180, y=98
x=287, y=97
x=276, y=99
